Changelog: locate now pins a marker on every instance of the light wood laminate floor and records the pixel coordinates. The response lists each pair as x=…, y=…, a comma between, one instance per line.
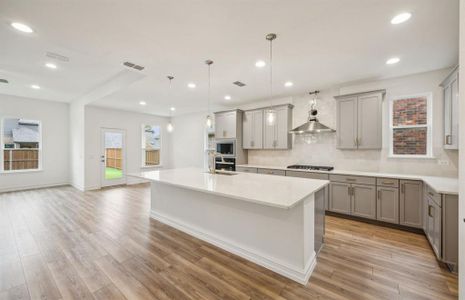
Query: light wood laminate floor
x=59, y=243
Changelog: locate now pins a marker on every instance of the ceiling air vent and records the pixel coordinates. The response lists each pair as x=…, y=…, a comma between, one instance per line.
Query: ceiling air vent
x=238, y=83
x=57, y=56
x=132, y=65
x=3, y=80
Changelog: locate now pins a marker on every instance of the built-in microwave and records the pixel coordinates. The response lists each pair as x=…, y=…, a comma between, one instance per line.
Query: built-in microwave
x=226, y=147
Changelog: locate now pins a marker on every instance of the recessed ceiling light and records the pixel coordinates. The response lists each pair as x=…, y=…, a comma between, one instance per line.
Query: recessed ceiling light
x=51, y=66
x=227, y=97
x=260, y=64
x=143, y=103
x=401, y=18
x=392, y=61
x=35, y=87
x=172, y=108
x=288, y=84
x=191, y=85
x=22, y=27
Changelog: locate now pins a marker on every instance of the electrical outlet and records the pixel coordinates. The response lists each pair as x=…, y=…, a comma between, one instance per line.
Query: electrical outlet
x=443, y=162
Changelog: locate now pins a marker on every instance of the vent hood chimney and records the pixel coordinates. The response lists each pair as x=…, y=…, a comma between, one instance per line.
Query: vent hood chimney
x=313, y=125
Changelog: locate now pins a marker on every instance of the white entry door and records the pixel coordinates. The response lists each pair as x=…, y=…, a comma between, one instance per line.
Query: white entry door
x=113, y=157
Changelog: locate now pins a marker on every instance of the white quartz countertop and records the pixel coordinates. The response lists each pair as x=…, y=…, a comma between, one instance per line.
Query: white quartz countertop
x=276, y=191
x=442, y=185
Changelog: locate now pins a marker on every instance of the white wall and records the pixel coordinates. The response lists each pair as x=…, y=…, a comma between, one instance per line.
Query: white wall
x=55, y=143
x=97, y=118
x=76, y=144
x=324, y=152
x=188, y=144
x=462, y=156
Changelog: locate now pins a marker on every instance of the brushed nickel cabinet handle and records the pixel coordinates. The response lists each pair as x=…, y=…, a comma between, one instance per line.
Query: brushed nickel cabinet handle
x=387, y=183
x=448, y=139
x=351, y=179
x=430, y=211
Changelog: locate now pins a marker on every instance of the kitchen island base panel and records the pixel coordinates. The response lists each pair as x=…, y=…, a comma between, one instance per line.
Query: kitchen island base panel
x=281, y=240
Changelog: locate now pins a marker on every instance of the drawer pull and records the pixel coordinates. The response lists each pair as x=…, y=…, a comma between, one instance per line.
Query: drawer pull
x=387, y=183
x=351, y=179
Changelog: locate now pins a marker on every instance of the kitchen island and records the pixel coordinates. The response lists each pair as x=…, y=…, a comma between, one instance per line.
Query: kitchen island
x=269, y=220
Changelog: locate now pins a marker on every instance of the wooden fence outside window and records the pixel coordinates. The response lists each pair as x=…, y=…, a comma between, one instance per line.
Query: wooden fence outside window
x=114, y=158
x=152, y=157
x=20, y=159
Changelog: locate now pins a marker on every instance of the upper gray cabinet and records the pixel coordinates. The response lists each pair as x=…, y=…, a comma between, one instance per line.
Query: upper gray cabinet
x=359, y=120
x=277, y=136
x=451, y=103
x=227, y=124
x=257, y=134
x=252, y=129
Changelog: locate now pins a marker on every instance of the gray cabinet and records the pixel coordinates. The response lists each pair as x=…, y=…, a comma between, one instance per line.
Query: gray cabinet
x=433, y=226
x=252, y=129
x=411, y=203
x=227, y=123
x=271, y=172
x=277, y=136
x=339, y=197
x=387, y=208
x=450, y=229
x=246, y=169
x=359, y=120
x=451, y=103
x=363, y=201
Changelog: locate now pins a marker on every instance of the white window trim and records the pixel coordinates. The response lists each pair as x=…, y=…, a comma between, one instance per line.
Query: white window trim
x=429, y=126
x=142, y=158
x=2, y=148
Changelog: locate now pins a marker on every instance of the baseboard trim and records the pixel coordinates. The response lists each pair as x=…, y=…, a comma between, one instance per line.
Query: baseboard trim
x=299, y=275
x=32, y=187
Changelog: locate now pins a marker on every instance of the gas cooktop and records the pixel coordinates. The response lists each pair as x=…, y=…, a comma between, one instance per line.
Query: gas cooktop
x=310, y=167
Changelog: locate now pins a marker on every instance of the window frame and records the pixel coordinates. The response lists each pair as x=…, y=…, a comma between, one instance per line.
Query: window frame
x=2, y=147
x=143, y=149
x=428, y=126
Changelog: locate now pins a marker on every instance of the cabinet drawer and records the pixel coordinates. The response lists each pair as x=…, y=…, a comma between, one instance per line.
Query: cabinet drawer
x=307, y=175
x=272, y=172
x=433, y=195
x=246, y=169
x=388, y=182
x=353, y=179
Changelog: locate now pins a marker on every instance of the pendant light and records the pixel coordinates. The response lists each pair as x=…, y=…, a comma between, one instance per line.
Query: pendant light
x=170, y=126
x=270, y=113
x=209, y=121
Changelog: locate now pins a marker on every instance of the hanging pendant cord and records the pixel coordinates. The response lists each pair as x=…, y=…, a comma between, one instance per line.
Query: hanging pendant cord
x=209, y=86
x=271, y=74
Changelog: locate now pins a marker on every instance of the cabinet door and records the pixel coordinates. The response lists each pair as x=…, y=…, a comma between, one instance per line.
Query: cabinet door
x=257, y=129
x=411, y=204
x=282, y=128
x=447, y=116
x=229, y=125
x=269, y=135
x=455, y=114
x=219, y=125
x=434, y=233
x=450, y=226
x=364, y=201
x=369, y=121
x=339, y=197
x=387, y=208
x=347, y=123
x=248, y=130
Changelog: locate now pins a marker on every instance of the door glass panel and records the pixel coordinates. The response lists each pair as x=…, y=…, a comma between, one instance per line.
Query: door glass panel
x=113, y=155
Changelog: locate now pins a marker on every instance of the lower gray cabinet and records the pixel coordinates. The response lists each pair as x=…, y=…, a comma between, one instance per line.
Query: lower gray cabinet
x=339, y=197
x=433, y=227
x=363, y=201
x=272, y=172
x=388, y=205
x=246, y=169
x=411, y=203
x=450, y=229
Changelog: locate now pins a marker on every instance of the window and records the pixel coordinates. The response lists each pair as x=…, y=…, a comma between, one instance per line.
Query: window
x=151, y=145
x=21, y=145
x=410, y=126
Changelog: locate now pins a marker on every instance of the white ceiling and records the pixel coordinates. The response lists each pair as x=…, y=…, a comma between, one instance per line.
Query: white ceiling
x=320, y=43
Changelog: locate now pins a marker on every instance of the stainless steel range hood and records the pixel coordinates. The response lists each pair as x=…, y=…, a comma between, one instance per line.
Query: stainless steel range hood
x=313, y=125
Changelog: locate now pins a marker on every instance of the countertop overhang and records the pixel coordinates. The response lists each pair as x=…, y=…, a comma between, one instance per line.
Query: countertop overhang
x=275, y=191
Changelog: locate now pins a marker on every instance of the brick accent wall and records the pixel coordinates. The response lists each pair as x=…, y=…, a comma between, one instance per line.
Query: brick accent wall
x=410, y=112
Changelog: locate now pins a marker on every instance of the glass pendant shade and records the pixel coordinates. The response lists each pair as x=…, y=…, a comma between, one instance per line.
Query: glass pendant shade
x=209, y=122
x=170, y=127
x=270, y=116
